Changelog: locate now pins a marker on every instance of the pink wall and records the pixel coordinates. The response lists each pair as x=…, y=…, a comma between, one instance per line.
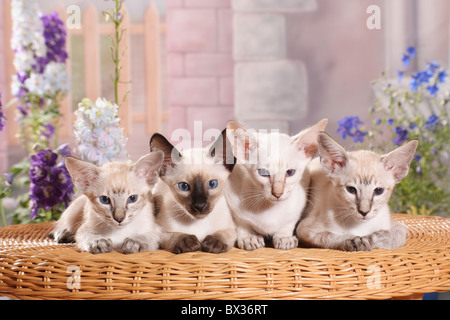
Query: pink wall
x=3, y=88
x=199, y=63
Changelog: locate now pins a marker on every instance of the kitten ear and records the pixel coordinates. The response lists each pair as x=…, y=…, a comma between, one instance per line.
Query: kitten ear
x=171, y=154
x=397, y=161
x=221, y=150
x=332, y=156
x=148, y=166
x=84, y=174
x=307, y=139
x=244, y=143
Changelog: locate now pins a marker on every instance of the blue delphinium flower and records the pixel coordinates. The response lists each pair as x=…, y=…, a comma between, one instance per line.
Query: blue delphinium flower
x=406, y=59
x=402, y=134
x=431, y=122
x=349, y=126
x=442, y=75
x=50, y=182
x=433, y=89
x=400, y=76
x=410, y=53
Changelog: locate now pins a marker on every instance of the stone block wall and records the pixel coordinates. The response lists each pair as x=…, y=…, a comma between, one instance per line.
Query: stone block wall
x=199, y=63
x=270, y=86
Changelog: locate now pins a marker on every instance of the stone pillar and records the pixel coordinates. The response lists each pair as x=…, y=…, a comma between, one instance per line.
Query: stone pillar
x=199, y=63
x=270, y=87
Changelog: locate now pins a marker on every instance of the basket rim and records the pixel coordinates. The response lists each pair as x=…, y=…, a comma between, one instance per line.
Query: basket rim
x=33, y=266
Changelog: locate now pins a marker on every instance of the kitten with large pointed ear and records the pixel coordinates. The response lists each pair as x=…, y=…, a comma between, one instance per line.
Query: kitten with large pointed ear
x=349, y=198
x=268, y=187
x=114, y=209
x=191, y=208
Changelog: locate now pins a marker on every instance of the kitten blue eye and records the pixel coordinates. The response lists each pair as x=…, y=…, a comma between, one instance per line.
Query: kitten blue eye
x=104, y=200
x=213, y=184
x=132, y=199
x=290, y=172
x=378, y=191
x=183, y=186
x=351, y=190
x=263, y=172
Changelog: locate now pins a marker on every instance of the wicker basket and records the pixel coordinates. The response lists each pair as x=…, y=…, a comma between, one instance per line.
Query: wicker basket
x=34, y=267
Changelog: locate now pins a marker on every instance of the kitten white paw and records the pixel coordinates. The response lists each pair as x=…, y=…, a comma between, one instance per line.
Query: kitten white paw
x=285, y=243
x=132, y=246
x=357, y=244
x=252, y=242
x=102, y=245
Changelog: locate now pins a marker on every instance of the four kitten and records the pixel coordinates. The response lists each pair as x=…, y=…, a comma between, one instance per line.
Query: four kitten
x=245, y=189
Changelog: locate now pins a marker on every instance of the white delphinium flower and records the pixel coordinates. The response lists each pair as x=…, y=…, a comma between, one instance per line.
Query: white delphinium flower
x=98, y=133
x=35, y=84
x=28, y=29
x=56, y=78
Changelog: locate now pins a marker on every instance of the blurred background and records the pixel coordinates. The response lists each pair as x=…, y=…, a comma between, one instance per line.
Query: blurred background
x=281, y=64
x=270, y=64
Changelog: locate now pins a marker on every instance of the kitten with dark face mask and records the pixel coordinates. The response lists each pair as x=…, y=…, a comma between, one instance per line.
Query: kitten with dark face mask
x=190, y=205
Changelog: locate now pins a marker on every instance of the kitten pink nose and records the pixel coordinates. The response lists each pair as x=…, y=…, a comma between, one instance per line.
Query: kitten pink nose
x=277, y=189
x=119, y=218
x=277, y=195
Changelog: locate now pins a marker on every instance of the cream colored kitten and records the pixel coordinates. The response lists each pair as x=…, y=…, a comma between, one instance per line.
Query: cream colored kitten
x=349, y=198
x=114, y=210
x=191, y=208
x=267, y=188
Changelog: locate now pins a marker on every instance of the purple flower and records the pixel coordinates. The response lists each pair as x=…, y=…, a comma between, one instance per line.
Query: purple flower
x=49, y=131
x=9, y=179
x=390, y=121
x=358, y=136
x=401, y=135
x=51, y=184
x=349, y=126
x=2, y=116
x=55, y=38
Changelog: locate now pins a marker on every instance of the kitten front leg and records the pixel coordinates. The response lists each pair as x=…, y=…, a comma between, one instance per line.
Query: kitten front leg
x=140, y=243
x=66, y=227
x=92, y=242
x=310, y=236
x=247, y=240
x=285, y=239
x=220, y=241
x=389, y=239
x=178, y=242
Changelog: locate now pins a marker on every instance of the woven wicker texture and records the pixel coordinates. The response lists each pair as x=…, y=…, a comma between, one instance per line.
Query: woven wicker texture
x=34, y=267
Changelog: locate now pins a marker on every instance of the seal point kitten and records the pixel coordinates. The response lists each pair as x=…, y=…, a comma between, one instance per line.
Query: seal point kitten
x=189, y=200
